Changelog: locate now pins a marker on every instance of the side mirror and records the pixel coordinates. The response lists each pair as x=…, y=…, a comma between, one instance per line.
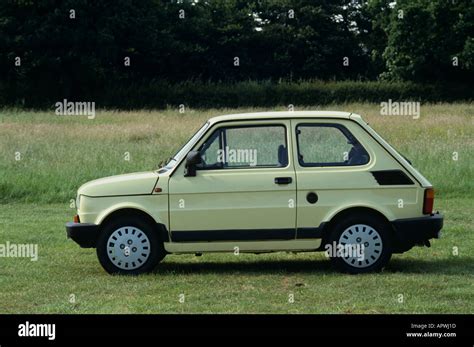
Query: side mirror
x=192, y=159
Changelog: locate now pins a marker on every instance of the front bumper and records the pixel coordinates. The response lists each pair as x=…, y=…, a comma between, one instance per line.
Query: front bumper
x=84, y=234
x=417, y=231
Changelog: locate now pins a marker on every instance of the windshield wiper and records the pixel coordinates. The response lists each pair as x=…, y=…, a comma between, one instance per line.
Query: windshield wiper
x=165, y=162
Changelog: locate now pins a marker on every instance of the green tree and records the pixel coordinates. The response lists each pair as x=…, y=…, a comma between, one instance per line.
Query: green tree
x=430, y=41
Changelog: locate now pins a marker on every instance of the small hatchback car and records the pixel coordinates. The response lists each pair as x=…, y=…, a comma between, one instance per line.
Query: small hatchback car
x=263, y=182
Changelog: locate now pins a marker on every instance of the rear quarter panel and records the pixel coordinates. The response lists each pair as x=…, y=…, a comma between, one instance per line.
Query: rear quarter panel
x=340, y=188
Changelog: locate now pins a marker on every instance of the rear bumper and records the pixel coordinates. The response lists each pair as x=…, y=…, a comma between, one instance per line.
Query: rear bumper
x=417, y=231
x=84, y=234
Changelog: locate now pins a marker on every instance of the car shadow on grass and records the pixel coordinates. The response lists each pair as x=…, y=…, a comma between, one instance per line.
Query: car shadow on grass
x=451, y=266
x=446, y=266
x=250, y=267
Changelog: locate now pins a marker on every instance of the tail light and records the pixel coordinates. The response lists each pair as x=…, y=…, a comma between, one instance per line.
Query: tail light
x=428, y=201
x=76, y=219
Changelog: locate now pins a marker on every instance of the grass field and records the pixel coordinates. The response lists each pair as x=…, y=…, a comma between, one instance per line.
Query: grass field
x=44, y=158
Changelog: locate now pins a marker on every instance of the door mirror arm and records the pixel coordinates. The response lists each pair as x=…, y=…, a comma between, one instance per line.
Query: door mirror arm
x=192, y=159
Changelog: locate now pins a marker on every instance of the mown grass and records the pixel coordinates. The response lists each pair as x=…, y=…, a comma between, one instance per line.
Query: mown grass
x=431, y=280
x=58, y=153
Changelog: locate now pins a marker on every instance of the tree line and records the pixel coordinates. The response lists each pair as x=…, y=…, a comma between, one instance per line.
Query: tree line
x=53, y=49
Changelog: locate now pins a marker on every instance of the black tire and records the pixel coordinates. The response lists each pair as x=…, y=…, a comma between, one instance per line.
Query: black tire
x=375, y=227
x=154, y=246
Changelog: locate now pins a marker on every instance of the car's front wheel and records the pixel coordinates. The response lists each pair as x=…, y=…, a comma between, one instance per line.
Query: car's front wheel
x=360, y=244
x=129, y=246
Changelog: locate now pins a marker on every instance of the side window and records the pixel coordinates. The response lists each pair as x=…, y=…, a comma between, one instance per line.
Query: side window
x=328, y=145
x=245, y=147
x=210, y=152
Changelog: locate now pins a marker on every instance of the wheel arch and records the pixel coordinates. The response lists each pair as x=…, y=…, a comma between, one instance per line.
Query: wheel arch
x=137, y=213
x=343, y=213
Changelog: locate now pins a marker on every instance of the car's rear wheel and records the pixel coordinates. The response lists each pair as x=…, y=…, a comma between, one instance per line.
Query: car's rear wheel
x=129, y=246
x=360, y=244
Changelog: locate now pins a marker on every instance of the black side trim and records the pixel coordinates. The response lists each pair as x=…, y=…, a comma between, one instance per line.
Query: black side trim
x=391, y=177
x=84, y=234
x=233, y=235
x=248, y=234
x=310, y=233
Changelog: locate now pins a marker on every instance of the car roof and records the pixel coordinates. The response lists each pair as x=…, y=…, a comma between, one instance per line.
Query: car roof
x=284, y=115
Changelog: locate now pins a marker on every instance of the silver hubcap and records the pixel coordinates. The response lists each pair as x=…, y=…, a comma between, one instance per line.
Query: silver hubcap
x=365, y=242
x=128, y=248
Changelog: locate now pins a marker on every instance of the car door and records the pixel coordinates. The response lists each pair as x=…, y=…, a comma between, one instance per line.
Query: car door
x=332, y=162
x=243, y=190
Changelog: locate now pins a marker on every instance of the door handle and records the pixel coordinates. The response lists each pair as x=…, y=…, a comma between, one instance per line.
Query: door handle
x=283, y=180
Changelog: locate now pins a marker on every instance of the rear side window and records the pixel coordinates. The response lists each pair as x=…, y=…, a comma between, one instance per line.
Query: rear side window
x=328, y=145
x=245, y=147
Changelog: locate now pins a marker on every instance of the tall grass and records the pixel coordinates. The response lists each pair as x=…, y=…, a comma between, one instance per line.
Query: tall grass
x=56, y=154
